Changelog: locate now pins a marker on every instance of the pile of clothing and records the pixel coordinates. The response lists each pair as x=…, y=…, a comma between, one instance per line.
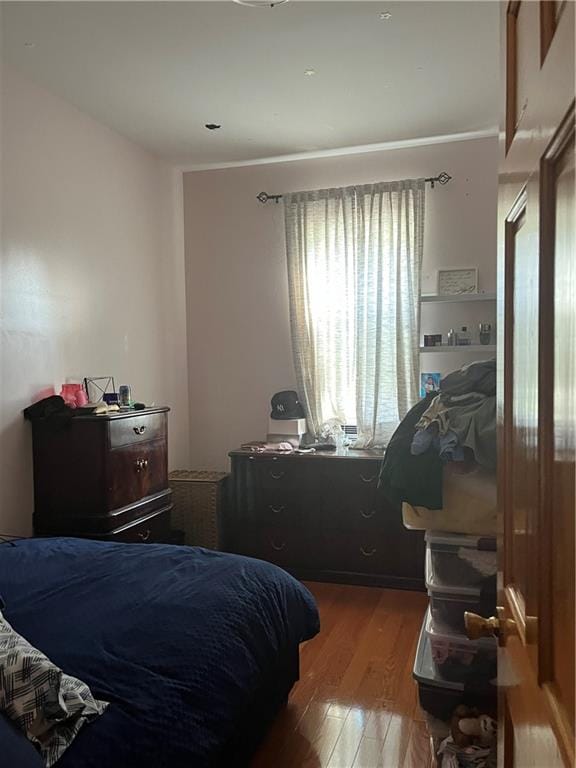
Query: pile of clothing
x=456, y=424
x=475, y=756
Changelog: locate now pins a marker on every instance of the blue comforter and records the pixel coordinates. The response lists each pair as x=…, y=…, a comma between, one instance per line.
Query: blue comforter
x=178, y=639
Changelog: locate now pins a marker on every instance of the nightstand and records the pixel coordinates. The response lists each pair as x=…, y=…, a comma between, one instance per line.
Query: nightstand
x=103, y=477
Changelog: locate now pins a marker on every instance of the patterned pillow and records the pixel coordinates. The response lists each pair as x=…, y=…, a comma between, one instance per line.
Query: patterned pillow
x=49, y=706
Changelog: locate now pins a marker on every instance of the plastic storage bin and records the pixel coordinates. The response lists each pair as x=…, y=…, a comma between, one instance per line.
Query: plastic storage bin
x=448, y=603
x=439, y=697
x=459, y=560
x=458, y=659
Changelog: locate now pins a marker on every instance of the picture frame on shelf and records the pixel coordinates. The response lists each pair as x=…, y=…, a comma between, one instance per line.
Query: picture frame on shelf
x=457, y=281
x=429, y=382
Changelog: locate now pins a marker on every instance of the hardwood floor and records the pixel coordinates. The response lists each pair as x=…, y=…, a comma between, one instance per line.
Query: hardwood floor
x=356, y=704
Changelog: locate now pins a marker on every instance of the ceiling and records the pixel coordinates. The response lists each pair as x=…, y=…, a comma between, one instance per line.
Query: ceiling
x=157, y=72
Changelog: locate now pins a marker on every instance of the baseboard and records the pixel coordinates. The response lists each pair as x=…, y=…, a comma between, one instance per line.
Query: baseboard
x=361, y=579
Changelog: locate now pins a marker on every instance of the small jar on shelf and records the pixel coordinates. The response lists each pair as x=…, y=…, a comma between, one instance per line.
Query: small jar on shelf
x=485, y=333
x=463, y=338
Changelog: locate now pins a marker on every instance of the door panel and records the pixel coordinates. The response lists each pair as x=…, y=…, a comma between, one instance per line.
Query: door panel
x=562, y=498
x=524, y=447
x=558, y=503
x=537, y=389
x=521, y=453
x=527, y=726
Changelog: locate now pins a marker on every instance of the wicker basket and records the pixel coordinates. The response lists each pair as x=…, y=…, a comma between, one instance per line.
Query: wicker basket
x=198, y=498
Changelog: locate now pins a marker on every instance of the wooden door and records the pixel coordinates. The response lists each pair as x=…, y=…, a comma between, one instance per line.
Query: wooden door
x=537, y=387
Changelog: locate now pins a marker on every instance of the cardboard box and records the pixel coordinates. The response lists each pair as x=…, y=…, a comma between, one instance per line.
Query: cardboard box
x=287, y=427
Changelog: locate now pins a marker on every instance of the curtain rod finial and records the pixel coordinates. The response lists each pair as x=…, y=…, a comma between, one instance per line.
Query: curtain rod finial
x=264, y=197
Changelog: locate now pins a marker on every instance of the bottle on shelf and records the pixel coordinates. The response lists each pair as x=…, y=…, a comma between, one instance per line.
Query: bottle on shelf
x=485, y=333
x=464, y=339
x=452, y=338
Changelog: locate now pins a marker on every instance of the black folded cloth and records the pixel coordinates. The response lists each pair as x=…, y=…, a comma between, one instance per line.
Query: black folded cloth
x=52, y=408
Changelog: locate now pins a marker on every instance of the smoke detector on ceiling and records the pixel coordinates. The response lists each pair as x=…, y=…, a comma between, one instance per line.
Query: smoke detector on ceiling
x=261, y=3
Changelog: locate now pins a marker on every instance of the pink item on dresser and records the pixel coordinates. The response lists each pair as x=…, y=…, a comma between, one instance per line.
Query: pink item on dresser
x=73, y=395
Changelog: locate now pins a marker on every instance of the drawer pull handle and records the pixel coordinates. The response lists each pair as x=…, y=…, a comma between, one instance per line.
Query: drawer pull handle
x=278, y=547
x=139, y=430
x=368, y=514
x=144, y=535
x=277, y=510
x=276, y=475
x=367, y=479
x=367, y=553
x=141, y=465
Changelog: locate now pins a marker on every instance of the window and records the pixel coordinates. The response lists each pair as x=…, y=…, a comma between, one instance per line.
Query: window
x=354, y=259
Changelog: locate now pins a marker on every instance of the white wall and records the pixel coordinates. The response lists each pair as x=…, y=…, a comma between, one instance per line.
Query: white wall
x=238, y=324
x=92, y=274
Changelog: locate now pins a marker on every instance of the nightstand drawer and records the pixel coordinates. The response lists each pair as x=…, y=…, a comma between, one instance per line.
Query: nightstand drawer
x=136, y=471
x=153, y=529
x=137, y=429
x=102, y=525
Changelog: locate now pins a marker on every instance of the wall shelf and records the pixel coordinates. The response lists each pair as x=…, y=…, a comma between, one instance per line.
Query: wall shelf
x=460, y=348
x=434, y=298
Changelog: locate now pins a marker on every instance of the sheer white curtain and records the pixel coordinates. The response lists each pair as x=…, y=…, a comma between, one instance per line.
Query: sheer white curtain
x=354, y=260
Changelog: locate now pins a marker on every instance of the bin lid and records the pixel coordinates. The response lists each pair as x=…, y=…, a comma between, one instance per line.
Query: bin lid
x=437, y=630
x=441, y=540
x=425, y=671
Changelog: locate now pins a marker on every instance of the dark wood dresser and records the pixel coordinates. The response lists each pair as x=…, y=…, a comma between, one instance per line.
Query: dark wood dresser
x=321, y=517
x=103, y=477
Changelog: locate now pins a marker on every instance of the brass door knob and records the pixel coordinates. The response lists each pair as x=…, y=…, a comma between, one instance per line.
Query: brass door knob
x=478, y=626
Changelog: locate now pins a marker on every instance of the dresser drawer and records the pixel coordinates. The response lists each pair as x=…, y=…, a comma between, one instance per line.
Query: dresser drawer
x=153, y=529
x=355, y=476
x=353, y=515
x=137, y=429
x=351, y=500
x=278, y=510
x=354, y=553
x=393, y=553
x=136, y=471
x=279, y=545
x=277, y=472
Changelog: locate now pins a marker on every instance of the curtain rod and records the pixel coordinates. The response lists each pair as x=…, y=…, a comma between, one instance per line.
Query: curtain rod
x=442, y=178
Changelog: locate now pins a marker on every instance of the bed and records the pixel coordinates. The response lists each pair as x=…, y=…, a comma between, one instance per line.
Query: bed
x=195, y=650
